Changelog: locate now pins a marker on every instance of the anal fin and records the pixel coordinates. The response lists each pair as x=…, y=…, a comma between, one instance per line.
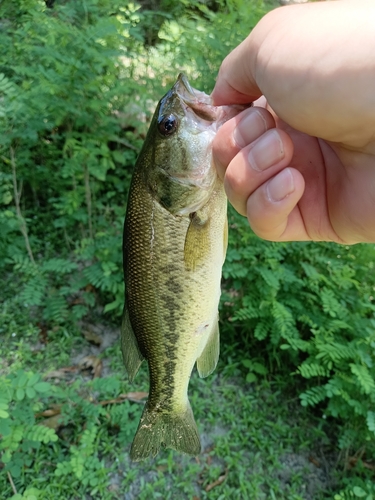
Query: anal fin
x=207, y=361
x=130, y=351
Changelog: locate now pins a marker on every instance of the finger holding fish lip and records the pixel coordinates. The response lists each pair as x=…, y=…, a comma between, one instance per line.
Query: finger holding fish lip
x=237, y=133
x=251, y=156
x=256, y=164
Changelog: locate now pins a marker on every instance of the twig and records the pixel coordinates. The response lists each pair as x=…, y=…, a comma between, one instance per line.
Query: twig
x=17, y=198
x=11, y=483
x=126, y=143
x=88, y=200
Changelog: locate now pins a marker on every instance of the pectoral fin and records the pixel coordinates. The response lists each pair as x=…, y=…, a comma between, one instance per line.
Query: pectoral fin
x=197, y=243
x=207, y=361
x=130, y=351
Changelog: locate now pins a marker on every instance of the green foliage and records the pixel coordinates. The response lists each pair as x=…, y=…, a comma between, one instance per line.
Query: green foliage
x=309, y=306
x=19, y=399
x=23, y=395
x=255, y=370
x=82, y=464
x=28, y=494
x=68, y=117
x=361, y=489
x=75, y=93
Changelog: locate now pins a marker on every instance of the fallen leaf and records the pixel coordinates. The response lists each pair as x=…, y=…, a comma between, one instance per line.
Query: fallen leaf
x=77, y=301
x=352, y=461
x=92, y=362
x=61, y=372
x=208, y=450
x=369, y=466
x=92, y=337
x=54, y=410
x=43, y=333
x=52, y=422
x=136, y=397
x=218, y=481
x=314, y=461
x=162, y=468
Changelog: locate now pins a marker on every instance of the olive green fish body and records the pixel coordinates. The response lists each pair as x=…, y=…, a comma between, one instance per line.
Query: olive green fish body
x=175, y=238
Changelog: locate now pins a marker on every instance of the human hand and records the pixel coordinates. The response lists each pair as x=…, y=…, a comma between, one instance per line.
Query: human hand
x=301, y=164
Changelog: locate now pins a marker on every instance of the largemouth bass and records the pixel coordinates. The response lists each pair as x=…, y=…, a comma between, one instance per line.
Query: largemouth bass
x=175, y=240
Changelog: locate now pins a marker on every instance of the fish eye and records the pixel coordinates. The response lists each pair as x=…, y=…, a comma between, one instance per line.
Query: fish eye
x=168, y=124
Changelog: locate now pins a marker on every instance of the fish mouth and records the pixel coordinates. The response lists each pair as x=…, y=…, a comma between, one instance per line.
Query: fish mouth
x=182, y=84
x=195, y=100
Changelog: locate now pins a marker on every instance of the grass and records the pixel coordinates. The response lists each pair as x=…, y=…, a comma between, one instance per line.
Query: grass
x=256, y=443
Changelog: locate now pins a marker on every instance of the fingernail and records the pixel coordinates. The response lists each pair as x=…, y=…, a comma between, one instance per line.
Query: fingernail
x=267, y=151
x=252, y=126
x=280, y=186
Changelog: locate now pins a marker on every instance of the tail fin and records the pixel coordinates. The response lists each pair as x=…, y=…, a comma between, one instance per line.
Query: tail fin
x=176, y=431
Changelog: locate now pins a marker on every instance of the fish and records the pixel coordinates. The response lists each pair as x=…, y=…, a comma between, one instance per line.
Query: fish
x=174, y=245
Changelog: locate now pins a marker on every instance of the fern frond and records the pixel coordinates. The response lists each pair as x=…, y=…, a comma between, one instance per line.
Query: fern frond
x=335, y=351
x=262, y=328
x=364, y=377
x=313, y=396
x=56, y=308
x=269, y=277
x=331, y=305
x=41, y=434
x=310, y=369
x=371, y=421
x=246, y=313
x=34, y=291
x=283, y=320
x=60, y=266
x=313, y=274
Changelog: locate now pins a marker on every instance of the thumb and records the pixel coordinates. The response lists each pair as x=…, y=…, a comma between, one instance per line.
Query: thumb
x=235, y=82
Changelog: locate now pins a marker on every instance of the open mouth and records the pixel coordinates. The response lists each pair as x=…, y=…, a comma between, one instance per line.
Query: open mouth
x=197, y=101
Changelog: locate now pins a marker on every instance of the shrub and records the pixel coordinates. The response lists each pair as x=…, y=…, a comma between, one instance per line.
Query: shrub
x=308, y=308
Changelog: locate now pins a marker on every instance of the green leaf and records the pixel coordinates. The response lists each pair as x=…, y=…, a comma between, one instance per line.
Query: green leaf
x=247, y=363
x=30, y=392
x=259, y=368
x=364, y=377
x=22, y=380
x=15, y=470
x=42, y=386
x=5, y=428
x=251, y=377
x=33, y=379
x=20, y=394
x=285, y=347
x=371, y=421
x=359, y=492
